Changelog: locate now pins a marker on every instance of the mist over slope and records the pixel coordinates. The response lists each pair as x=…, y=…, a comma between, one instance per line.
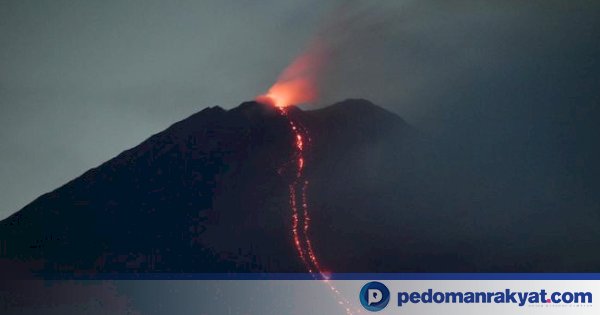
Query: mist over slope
x=209, y=194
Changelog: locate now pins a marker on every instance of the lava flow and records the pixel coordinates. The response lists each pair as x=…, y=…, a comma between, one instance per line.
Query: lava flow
x=298, y=199
x=298, y=194
x=297, y=85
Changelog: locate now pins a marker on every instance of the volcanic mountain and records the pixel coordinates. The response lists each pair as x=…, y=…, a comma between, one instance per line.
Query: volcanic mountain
x=210, y=194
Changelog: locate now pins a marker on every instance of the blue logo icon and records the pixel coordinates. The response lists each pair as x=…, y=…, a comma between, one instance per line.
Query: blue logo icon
x=374, y=296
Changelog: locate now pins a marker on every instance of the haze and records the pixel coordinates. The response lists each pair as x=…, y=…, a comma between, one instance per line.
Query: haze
x=512, y=84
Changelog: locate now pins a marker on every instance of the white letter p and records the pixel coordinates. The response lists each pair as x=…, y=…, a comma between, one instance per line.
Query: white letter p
x=374, y=296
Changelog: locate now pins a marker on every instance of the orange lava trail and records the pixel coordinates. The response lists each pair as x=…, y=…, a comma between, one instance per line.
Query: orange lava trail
x=295, y=220
x=299, y=187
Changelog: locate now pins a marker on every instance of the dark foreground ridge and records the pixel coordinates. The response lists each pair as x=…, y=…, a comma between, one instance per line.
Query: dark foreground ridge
x=209, y=194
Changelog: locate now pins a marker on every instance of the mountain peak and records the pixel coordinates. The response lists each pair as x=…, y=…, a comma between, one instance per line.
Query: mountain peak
x=356, y=105
x=357, y=102
x=251, y=108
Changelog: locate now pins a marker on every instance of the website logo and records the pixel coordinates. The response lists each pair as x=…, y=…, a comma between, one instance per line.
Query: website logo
x=374, y=296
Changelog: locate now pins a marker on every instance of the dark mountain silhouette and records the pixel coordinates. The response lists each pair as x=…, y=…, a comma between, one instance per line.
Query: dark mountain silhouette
x=209, y=194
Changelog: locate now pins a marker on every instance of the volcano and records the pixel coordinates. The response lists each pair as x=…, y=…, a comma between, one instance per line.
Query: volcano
x=210, y=194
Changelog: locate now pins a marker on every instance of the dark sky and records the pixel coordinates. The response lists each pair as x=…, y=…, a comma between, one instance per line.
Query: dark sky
x=80, y=81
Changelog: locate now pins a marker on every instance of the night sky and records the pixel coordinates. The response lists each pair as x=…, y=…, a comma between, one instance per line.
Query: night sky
x=508, y=86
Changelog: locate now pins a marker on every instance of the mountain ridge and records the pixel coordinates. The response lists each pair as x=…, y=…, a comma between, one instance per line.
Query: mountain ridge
x=202, y=156
x=210, y=193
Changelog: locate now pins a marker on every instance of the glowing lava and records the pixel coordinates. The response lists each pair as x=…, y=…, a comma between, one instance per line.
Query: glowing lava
x=298, y=200
x=296, y=85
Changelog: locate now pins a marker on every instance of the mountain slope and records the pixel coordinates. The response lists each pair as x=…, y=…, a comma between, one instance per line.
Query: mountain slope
x=210, y=194
x=203, y=195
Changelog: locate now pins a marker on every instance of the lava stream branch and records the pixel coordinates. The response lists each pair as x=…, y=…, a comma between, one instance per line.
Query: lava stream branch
x=298, y=190
x=299, y=200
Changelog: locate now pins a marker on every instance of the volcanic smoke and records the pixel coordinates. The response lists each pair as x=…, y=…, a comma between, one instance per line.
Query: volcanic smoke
x=298, y=83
